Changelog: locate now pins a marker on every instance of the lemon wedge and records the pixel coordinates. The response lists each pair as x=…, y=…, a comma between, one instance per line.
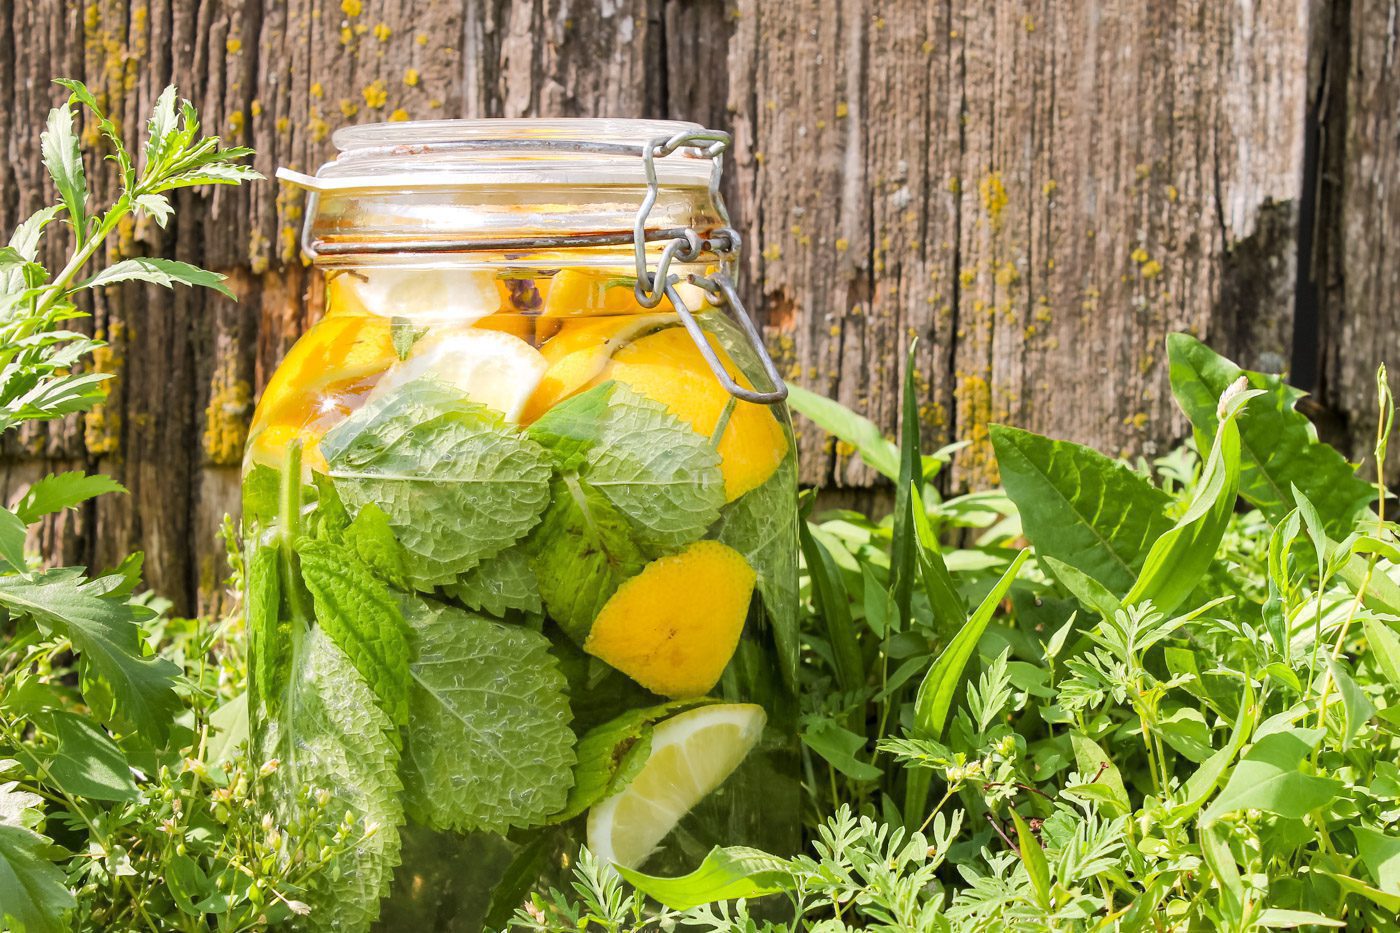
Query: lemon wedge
x=490, y=367
x=691, y=755
x=459, y=296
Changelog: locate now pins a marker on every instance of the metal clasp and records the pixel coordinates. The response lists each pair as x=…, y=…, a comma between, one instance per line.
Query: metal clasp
x=651, y=286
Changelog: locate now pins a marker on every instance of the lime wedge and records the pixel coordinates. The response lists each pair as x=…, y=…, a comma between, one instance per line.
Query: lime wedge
x=691, y=755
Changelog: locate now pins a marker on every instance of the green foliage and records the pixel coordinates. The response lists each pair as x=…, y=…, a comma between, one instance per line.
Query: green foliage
x=1167, y=713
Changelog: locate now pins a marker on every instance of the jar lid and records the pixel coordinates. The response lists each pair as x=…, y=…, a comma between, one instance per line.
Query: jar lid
x=565, y=151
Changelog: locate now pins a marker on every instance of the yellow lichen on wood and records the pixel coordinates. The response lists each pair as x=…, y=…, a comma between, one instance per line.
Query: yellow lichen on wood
x=375, y=95
x=226, y=420
x=994, y=198
x=677, y=647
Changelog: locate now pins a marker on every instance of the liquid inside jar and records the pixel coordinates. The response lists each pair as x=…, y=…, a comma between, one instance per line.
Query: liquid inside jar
x=521, y=577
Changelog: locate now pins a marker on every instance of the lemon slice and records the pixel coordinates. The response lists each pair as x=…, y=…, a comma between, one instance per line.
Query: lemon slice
x=691, y=755
x=492, y=368
x=457, y=295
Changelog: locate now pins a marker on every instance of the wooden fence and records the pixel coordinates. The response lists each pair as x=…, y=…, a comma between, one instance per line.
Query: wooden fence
x=1039, y=190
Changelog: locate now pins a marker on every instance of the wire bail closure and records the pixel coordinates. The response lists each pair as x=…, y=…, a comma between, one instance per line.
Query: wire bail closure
x=688, y=246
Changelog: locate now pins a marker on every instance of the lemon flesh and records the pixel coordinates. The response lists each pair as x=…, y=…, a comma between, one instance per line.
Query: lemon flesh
x=489, y=367
x=676, y=645
x=691, y=755
x=447, y=295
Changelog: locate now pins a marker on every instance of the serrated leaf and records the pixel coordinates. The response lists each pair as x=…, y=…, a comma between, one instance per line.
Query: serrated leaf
x=500, y=584
x=156, y=206
x=63, y=491
x=488, y=744
x=372, y=540
x=1279, y=448
x=357, y=611
x=88, y=763
x=33, y=890
x=1269, y=777
x=64, y=161
x=457, y=484
x=657, y=472
x=106, y=633
x=726, y=874
x=166, y=272
x=333, y=736
x=762, y=526
x=1080, y=507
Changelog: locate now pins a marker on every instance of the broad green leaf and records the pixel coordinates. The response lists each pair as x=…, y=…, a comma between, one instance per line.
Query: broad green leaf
x=1385, y=649
x=1033, y=858
x=489, y=745
x=839, y=747
x=362, y=618
x=166, y=272
x=63, y=491
x=1185, y=730
x=63, y=159
x=1180, y=558
x=1080, y=507
x=372, y=540
x=1203, y=782
x=1215, y=851
x=610, y=755
x=1090, y=593
x=726, y=874
x=762, y=525
x=87, y=762
x=1269, y=777
x=1278, y=918
x=12, y=532
x=500, y=584
x=107, y=635
x=334, y=737
x=229, y=729
x=1384, y=899
x=268, y=634
x=1356, y=706
x=937, y=691
x=878, y=452
x=34, y=892
x=18, y=807
x=1279, y=448
x=1098, y=770
x=457, y=484
x=520, y=876
x=1380, y=852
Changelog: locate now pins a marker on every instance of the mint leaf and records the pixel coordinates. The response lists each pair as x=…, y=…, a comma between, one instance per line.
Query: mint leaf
x=260, y=490
x=456, y=483
x=762, y=526
x=500, y=584
x=33, y=890
x=63, y=491
x=363, y=619
x=333, y=736
x=581, y=553
x=656, y=471
x=489, y=745
x=1080, y=507
x=370, y=537
x=1279, y=448
x=106, y=632
x=611, y=754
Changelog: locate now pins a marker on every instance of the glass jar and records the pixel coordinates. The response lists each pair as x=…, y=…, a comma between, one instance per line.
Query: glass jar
x=520, y=525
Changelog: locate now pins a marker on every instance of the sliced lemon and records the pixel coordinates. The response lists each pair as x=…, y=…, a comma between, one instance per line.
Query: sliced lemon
x=676, y=647
x=691, y=755
x=578, y=352
x=583, y=292
x=488, y=366
x=444, y=294
x=666, y=366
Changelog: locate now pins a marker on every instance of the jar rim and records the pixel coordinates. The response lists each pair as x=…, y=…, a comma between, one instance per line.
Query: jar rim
x=505, y=151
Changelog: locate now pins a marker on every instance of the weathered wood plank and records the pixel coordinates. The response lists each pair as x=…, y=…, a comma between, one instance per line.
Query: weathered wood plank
x=1361, y=295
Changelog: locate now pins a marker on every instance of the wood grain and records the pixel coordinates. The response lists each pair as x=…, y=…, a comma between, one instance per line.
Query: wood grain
x=1038, y=190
